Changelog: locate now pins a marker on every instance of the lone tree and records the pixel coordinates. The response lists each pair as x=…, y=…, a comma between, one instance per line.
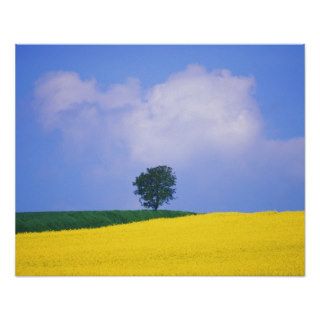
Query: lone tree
x=155, y=187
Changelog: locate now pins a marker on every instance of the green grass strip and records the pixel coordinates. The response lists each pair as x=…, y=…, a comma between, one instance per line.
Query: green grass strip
x=66, y=220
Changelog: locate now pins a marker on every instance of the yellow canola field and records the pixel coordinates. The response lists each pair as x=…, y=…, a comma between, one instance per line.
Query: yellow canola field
x=266, y=243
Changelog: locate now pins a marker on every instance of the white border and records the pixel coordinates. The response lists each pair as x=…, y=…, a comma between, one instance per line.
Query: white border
x=164, y=21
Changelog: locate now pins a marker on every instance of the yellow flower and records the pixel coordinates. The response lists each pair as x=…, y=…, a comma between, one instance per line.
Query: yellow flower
x=264, y=243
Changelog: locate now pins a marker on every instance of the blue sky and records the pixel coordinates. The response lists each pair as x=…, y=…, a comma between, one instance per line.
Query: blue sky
x=228, y=119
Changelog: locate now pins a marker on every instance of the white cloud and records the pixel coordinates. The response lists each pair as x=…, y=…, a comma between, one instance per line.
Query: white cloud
x=120, y=95
x=285, y=156
x=194, y=113
x=59, y=94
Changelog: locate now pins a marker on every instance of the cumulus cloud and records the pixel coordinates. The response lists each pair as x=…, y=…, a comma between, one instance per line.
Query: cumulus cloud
x=194, y=113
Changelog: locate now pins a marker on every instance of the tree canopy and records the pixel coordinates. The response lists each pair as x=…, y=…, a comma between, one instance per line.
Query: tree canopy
x=155, y=187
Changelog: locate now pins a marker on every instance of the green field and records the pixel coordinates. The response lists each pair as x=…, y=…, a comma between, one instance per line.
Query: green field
x=224, y=244
x=64, y=220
